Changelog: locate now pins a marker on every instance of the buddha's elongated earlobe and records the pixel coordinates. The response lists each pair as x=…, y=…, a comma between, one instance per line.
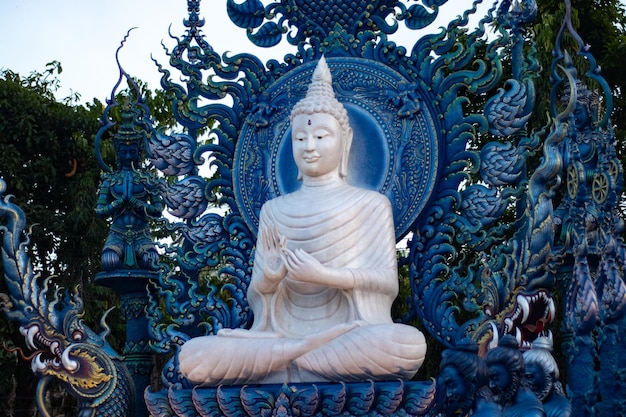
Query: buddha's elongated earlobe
x=347, y=143
x=320, y=98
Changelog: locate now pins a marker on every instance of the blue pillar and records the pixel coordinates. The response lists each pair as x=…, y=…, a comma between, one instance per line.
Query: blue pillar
x=131, y=285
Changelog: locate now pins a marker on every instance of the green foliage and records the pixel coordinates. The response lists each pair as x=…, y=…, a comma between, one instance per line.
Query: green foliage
x=48, y=163
x=601, y=24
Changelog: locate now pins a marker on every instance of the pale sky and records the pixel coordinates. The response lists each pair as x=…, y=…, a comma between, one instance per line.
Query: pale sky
x=84, y=35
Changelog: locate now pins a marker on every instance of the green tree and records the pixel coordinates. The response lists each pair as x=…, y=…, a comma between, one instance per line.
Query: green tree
x=602, y=26
x=48, y=163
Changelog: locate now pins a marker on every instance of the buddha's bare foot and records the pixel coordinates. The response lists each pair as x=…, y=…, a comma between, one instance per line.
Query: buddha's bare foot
x=249, y=334
x=318, y=339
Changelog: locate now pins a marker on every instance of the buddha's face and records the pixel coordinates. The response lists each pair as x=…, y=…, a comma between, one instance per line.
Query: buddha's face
x=317, y=144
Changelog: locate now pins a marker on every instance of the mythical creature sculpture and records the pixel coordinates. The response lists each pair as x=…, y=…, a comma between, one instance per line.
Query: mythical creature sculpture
x=130, y=197
x=590, y=232
x=505, y=369
x=542, y=377
x=63, y=347
x=461, y=385
x=324, y=277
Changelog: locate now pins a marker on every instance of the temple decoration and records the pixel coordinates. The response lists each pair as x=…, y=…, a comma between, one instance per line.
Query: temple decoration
x=541, y=373
x=462, y=388
x=500, y=222
x=129, y=195
x=589, y=233
x=505, y=370
x=383, y=398
x=62, y=348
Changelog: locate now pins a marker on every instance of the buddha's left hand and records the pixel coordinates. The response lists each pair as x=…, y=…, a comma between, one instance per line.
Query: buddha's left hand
x=305, y=268
x=274, y=268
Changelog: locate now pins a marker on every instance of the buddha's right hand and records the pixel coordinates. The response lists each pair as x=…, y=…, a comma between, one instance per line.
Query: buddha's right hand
x=274, y=267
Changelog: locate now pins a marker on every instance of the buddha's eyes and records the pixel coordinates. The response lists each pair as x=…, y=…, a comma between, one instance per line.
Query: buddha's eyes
x=320, y=134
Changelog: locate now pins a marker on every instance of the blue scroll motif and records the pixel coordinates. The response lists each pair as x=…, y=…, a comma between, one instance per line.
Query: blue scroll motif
x=267, y=24
x=63, y=348
x=173, y=155
x=396, y=398
x=473, y=193
x=416, y=132
x=482, y=249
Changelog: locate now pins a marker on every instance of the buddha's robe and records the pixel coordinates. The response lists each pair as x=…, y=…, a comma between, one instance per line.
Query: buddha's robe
x=304, y=332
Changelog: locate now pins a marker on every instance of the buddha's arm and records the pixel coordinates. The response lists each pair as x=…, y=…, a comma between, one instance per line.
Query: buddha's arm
x=305, y=268
x=378, y=270
x=269, y=266
x=262, y=282
x=370, y=261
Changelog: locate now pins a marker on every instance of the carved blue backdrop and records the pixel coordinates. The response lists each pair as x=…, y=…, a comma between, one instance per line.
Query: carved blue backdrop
x=497, y=219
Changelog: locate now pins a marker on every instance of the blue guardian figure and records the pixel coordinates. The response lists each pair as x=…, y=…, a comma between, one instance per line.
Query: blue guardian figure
x=129, y=196
x=542, y=377
x=505, y=370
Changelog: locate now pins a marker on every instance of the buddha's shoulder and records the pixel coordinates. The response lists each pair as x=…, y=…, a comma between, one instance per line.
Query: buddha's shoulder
x=370, y=195
x=355, y=196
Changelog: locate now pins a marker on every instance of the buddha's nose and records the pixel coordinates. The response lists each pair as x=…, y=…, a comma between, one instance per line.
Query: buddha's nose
x=310, y=143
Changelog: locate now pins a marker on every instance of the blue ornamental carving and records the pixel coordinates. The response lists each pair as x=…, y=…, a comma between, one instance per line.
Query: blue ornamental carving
x=129, y=195
x=389, y=154
x=541, y=374
x=462, y=383
x=62, y=348
x=497, y=219
x=381, y=398
x=589, y=231
x=505, y=370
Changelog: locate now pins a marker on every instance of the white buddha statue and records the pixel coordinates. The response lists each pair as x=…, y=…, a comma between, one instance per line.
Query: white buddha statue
x=324, y=276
